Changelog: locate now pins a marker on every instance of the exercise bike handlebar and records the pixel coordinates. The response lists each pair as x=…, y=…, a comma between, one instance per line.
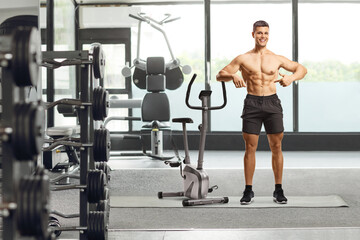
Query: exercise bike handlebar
x=204, y=108
x=137, y=18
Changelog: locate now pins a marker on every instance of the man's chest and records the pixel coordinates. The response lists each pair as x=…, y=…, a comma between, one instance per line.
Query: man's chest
x=267, y=64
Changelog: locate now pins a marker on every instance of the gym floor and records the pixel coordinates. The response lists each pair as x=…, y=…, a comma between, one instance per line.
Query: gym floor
x=305, y=173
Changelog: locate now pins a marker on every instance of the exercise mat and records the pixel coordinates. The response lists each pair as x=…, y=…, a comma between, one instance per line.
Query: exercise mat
x=331, y=201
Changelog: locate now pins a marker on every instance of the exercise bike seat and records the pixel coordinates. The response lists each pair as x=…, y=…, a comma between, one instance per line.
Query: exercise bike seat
x=183, y=120
x=157, y=124
x=63, y=131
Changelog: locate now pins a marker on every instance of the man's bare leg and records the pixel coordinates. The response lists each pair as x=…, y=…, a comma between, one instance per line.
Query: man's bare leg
x=251, y=143
x=275, y=143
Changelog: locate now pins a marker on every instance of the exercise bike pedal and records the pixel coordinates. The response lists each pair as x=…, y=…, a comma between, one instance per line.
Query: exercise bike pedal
x=215, y=187
x=173, y=163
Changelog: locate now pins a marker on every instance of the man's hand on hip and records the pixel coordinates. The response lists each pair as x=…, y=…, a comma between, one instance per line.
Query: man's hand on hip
x=285, y=80
x=238, y=81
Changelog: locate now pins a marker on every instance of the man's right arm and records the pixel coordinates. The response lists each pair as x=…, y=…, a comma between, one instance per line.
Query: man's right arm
x=228, y=73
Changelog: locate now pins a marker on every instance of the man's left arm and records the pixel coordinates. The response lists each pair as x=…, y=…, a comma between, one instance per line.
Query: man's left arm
x=298, y=70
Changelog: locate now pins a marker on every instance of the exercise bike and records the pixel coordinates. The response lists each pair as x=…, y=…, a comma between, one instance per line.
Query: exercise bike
x=196, y=180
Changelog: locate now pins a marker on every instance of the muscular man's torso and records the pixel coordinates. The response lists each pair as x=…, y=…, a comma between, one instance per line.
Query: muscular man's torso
x=259, y=71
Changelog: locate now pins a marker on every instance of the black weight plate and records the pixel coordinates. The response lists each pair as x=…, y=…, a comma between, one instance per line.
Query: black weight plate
x=104, y=167
x=27, y=228
x=91, y=226
x=97, y=186
x=27, y=56
x=42, y=203
x=90, y=186
x=100, y=206
x=39, y=170
x=103, y=228
x=103, y=206
x=20, y=142
x=96, y=224
x=28, y=77
x=174, y=78
x=27, y=129
x=24, y=228
x=16, y=136
x=10, y=24
x=95, y=107
x=100, y=148
x=21, y=201
x=37, y=122
x=99, y=165
x=98, y=61
x=100, y=104
x=97, y=228
x=139, y=78
x=35, y=56
x=102, y=184
x=96, y=145
x=107, y=144
x=36, y=205
x=93, y=186
x=27, y=207
x=18, y=52
x=105, y=104
x=102, y=145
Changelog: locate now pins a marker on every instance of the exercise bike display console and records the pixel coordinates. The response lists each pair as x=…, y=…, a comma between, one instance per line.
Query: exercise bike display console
x=196, y=179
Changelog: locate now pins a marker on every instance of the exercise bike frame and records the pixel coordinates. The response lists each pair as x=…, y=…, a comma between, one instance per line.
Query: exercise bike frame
x=196, y=180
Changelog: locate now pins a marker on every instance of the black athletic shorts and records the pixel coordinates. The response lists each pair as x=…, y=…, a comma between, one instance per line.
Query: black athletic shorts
x=262, y=109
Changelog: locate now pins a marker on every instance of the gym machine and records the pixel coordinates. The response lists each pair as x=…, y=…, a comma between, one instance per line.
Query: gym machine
x=195, y=178
x=25, y=193
x=173, y=74
x=93, y=145
x=155, y=76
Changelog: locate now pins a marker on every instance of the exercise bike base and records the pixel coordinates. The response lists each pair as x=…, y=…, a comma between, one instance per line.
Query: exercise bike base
x=205, y=201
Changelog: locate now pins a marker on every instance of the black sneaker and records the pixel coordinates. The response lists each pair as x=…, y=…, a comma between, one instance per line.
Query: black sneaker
x=279, y=197
x=247, y=197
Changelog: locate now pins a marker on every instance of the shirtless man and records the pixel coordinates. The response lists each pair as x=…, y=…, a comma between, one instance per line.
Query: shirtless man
x=260, y=70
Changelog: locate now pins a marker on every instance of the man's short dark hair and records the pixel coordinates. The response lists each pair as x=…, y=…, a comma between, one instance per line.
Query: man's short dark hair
x=260, y=23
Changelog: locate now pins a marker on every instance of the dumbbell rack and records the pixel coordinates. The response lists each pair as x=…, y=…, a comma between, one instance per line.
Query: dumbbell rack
x=86, y=121
x=19, y=168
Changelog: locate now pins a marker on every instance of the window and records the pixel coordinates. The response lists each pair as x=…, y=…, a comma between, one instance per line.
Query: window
x=231, y=28
x=329, y=95
x=64, y=40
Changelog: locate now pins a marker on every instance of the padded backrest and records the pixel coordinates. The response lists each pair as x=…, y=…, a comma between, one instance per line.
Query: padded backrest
x=155, y=74
x=155, y=65
x=155, y=106
x=155, y=83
